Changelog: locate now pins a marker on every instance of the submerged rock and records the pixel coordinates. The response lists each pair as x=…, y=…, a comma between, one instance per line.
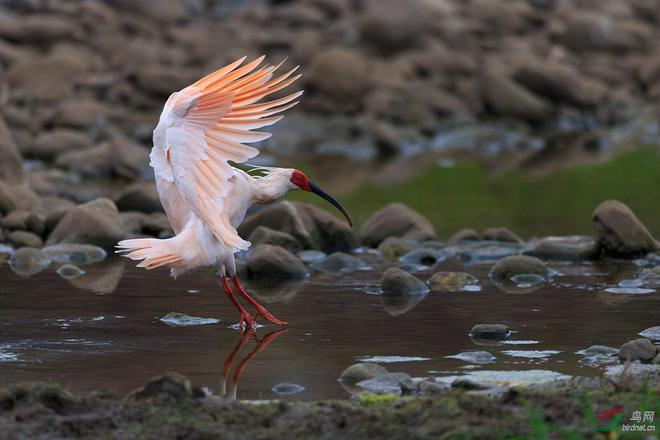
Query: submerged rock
x=482, y=252
x=493, y=331
x=528, y=280
x=474, y=357
x=423, y=256
x=598, y=355
x=652, y=333
x=177, y=319
x=69, y=271
x=620, y=232
x=28, y=261
x=285, y=389
x=637, y=350
x=311, y=256
x=362, y=371
x=398, y=282
x=340, y=262
x=571, y=248
x=451, y=281
x=388, y=383
x=396, y=220
x=268, y=261
x=517, y=265
x=397, y=305
x=74, y=253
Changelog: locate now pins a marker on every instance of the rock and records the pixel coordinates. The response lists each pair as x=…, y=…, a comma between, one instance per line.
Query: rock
x=79, y=113
x=395, y=247
x=570, y=248
x=637, y=350
x=310, y=257
x=340, y=75
x=96, y=222
x=24, y=239
x=652, y=333
x=474, y=357
x=69, y=271
x=11, y=165
x=397, y=282
x=139, y=196
x=361, y=371
x=286, y=389
x=397, y=305
x=50, y=144
x=517, y=265
x=492, y=331
x=18, y=196
x=501, y=234
x=390, y=28
x=25, y=221
x=505, y=97
x=467, y=383
x=313, y=227
x=431, y=388
x=264, y=235
x=28, y=261
x=451, y=281
x=340, y=262
x=464, y=235
x=73, y=253
x=388, y=383
x=396, y=220
x=483, y=252
x=175, y=319
x=620, y=232
x=49, y=78
x=268, y=261
x=424, y=256
x=168, y=386
x=599, y=350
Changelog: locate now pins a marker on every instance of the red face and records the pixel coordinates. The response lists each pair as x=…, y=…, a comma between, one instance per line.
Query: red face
x=300, y=180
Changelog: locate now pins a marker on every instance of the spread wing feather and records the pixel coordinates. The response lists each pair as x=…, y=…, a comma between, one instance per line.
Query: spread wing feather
x=207, y=124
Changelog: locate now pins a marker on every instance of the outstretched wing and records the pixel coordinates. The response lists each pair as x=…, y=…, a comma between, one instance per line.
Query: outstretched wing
x=207, y=124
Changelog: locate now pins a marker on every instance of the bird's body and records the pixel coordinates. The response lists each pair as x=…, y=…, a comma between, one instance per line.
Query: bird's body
x=205, y=198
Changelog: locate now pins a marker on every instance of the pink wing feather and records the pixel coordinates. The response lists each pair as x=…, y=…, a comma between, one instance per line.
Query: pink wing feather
x=207, y=125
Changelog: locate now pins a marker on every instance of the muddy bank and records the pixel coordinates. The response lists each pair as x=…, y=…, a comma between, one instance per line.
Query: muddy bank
x=171, y=408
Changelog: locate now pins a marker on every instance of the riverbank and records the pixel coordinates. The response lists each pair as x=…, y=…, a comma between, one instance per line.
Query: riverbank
x=170, y=407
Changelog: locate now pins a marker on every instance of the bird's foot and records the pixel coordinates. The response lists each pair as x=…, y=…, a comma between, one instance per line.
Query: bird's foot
x=248, y=320
x=269, y=317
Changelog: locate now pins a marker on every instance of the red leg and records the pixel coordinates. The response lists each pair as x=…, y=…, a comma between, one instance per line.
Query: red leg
x=245, y=316
x=260, y=309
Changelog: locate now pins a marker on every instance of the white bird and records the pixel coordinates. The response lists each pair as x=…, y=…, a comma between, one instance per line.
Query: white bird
x=201, y=129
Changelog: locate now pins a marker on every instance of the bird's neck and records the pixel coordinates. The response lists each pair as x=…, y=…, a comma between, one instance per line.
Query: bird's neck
x=270, y=188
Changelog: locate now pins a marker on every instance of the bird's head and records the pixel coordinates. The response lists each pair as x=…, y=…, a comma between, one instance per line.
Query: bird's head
x=298, y=180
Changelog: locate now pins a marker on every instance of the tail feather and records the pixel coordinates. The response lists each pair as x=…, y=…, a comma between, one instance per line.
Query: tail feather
x=152, y=251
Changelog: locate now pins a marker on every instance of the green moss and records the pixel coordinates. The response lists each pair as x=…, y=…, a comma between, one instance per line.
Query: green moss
x=377, y=399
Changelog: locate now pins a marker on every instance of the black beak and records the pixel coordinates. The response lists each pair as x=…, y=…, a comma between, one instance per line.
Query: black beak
x=318, y=191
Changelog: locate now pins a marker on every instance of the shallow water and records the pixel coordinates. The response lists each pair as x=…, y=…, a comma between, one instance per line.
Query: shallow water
x=103, y=329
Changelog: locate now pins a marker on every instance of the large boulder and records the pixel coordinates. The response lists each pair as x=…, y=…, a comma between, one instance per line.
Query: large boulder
x=274, y=262
x=313, y=227
x=620, y=232
x=11, y=165
x=96, y=222
x=396, y=220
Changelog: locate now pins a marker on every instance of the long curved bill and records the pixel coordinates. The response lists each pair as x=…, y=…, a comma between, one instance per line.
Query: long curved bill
x=319, y=192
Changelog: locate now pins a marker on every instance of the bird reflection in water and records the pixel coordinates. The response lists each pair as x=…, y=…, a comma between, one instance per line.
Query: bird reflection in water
x=262, y=344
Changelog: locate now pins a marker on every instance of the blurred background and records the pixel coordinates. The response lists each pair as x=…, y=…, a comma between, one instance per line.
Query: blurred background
x=521, y=113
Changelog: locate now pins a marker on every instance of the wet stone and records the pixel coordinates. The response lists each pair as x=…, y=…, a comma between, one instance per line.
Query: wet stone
x=285, y=389
x=596, y=350
x=69, y=271
x=423, y=256
x=467, y=383
x=517, y=265
x=389, y=383
x=631, y=283
x=28, y=261
x=464, y=235
x=637, y=350
x=311, y=256
x=397, y=282
x=486, y=252
x=492, y=331
x=629, y=290
x=451, y=281
x=474, y=357
x=396, y=247
x=528, y=280
x=362, y=371
x=652, y=333
x=571, y=248
x=176, y=319
x=71, y=253
x=501, y=234
x=340, y=262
